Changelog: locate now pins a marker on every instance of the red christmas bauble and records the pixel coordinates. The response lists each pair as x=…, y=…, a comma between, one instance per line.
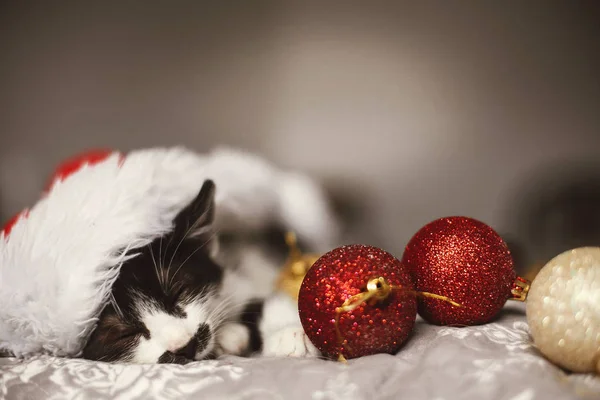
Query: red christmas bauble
x=465, y=260
x=337, y=280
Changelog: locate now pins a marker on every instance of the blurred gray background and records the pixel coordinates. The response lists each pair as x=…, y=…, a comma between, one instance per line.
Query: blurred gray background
x=407, y=111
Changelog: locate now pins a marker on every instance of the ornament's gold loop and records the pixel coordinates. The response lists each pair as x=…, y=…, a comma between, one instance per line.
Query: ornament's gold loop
x=379, y=287
x=438, y=297
x=292, y=242
x=520, y=289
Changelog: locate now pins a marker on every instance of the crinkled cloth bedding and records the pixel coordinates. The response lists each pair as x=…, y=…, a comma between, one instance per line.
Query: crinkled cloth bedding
x=494, y=361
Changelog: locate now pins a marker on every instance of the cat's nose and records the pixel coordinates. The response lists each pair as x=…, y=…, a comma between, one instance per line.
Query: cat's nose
x=174, y=336
x=189, y=350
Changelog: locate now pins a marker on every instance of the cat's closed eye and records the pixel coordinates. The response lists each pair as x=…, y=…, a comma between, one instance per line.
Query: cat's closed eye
x=113, y=328
x=135, y=331
x=128, y=334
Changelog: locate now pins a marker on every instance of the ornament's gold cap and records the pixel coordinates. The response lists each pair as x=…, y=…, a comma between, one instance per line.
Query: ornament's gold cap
x=520, y=289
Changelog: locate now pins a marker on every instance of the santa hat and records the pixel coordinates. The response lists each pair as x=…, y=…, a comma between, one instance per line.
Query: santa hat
x=59, y=259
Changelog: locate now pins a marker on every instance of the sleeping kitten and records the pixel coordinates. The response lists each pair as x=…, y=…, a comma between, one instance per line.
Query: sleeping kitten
x=185, y=297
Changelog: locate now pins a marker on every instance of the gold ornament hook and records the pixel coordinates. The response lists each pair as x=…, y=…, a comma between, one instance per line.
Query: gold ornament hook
x=295, y=268
x=378, y=289
x=292, y=242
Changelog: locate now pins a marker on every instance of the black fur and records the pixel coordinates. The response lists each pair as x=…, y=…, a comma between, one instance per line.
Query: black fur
x=250, y=317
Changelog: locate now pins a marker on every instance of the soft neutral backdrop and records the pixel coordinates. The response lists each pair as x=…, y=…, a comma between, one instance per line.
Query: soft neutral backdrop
x=408, y=111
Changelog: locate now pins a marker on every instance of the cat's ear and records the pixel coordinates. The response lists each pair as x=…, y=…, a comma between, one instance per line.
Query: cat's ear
x=195, y=221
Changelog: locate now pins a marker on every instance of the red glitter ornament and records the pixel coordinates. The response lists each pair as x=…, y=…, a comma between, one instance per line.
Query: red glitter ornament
x=466, y=260
x=348, y=306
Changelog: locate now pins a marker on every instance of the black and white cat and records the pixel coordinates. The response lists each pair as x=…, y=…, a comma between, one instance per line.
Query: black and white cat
x=196, y=293
x=122, y=258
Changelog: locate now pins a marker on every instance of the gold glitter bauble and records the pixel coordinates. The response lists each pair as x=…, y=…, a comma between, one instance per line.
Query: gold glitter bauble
x=563, y=310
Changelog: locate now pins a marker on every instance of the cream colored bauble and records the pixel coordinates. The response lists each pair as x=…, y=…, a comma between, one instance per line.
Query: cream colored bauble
x=563, y=310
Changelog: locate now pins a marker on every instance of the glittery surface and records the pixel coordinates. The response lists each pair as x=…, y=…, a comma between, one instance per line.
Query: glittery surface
x=369, y=329
x=563, y=310
x=466, y=260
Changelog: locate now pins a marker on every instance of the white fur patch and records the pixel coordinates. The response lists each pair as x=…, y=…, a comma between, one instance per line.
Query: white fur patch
x=289, y=342
x=281, y=329
x=280, y=311
x=234, y=338
x=170, y=333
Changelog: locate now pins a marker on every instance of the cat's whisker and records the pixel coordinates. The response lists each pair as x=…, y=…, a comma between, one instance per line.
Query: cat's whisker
x=163, y=259
x=197, y=297
x=113, y=301
x=222, y=303
x=160, y=263
x=212, y=236
x=102, y=358
x=167, y=247
x=156, y=269
x=223, y=310
x=218, y=314
x=185, y=235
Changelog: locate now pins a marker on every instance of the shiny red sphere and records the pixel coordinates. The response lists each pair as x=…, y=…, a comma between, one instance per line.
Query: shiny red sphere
x=381, y=327
x=465, y=260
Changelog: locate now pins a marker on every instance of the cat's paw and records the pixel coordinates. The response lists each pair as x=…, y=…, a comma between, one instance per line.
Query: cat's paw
x=234, y=339
x=289, y=342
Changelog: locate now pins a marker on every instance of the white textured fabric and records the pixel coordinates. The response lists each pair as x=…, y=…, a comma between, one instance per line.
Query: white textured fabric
x=57, y=266
x=493, y=361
